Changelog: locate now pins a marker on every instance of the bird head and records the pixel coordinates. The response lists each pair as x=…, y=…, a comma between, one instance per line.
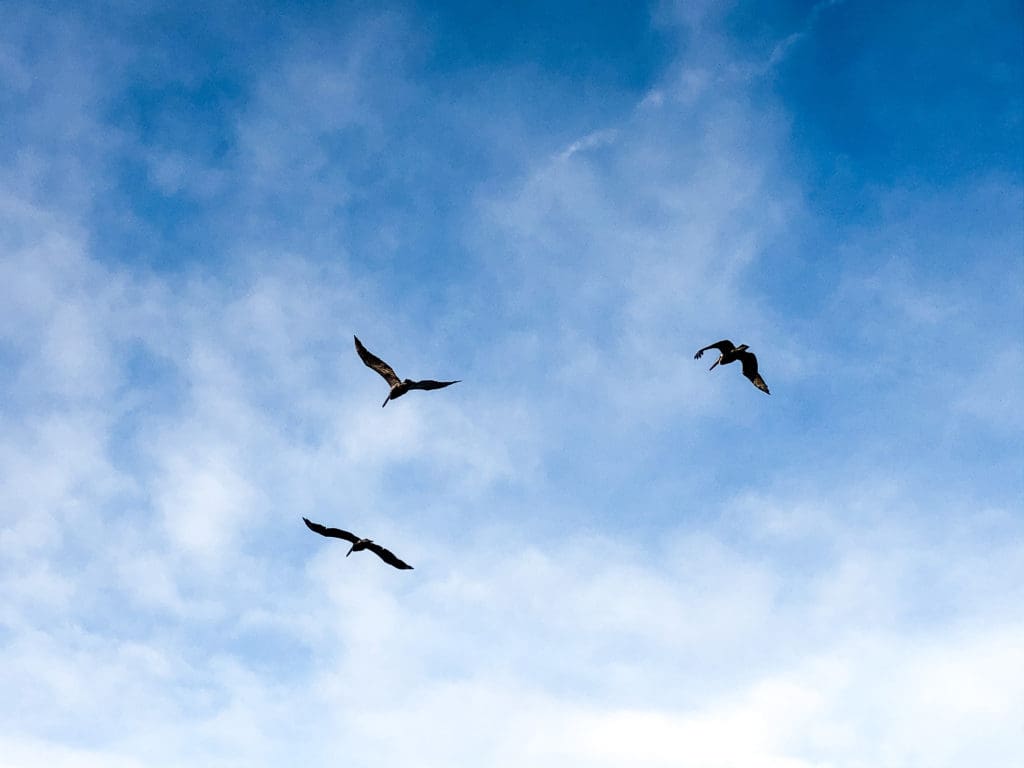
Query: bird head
x=361, y=544
x=741, y=347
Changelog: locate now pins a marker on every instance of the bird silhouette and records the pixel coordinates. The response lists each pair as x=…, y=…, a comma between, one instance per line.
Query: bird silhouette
x=398, y=386
x=358, y=544
x=730, y=353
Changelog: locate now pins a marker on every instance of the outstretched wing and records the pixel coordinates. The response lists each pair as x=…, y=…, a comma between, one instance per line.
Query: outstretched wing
x=749, y=363
x=372, y=361
x=431, y=384
x=335, y=533
x=387, y=556
x=722, y=346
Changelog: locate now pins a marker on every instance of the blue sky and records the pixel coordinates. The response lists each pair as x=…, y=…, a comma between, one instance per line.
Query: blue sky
x=621, y=559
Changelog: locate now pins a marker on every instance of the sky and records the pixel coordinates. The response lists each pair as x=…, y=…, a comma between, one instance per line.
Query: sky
x=620, y=558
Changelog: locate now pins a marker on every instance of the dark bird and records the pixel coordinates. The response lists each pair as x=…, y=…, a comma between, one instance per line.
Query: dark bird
x=731, y=353
x=358, y=544
x=398, y=386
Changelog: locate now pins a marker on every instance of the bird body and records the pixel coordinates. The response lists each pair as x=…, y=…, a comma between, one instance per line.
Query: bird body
x=730, y=353
x=358, y=544
x=398, y=386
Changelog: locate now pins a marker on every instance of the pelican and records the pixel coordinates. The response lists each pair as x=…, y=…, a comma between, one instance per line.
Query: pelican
x=730, y=353
x=398, y=386
x=358, y=544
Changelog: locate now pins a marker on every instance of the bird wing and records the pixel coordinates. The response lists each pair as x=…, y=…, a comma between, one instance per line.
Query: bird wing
x=372, y=361
x=387, y=556
x=431, y=384
x=336, y=533
x=722, y=346
x=749, y=363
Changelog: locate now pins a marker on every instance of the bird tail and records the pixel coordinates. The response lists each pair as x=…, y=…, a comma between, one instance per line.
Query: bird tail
x=386, y=400
x=716, y=363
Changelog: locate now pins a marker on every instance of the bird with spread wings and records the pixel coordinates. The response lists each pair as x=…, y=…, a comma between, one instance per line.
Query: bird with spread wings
x=731, y=353
x=398, y=386
x=358, y=544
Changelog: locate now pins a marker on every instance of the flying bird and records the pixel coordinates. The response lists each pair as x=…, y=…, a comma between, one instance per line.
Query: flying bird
x=358, y=544
x=398, y=386
x=730, y=353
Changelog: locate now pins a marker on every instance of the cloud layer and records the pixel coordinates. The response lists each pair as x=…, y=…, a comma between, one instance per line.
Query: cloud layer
x=620, y=558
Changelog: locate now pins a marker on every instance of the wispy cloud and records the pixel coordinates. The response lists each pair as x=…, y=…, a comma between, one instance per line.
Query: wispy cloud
x=590, y=141
x=784, y=47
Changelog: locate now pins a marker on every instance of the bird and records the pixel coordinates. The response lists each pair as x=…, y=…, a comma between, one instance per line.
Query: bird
x=730, y=353
x=358, y=544
x=398, y=386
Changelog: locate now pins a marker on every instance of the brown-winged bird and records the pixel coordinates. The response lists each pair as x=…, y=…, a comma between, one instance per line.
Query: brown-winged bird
x=731, y=353
x=398, y=386
x=358, y=544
